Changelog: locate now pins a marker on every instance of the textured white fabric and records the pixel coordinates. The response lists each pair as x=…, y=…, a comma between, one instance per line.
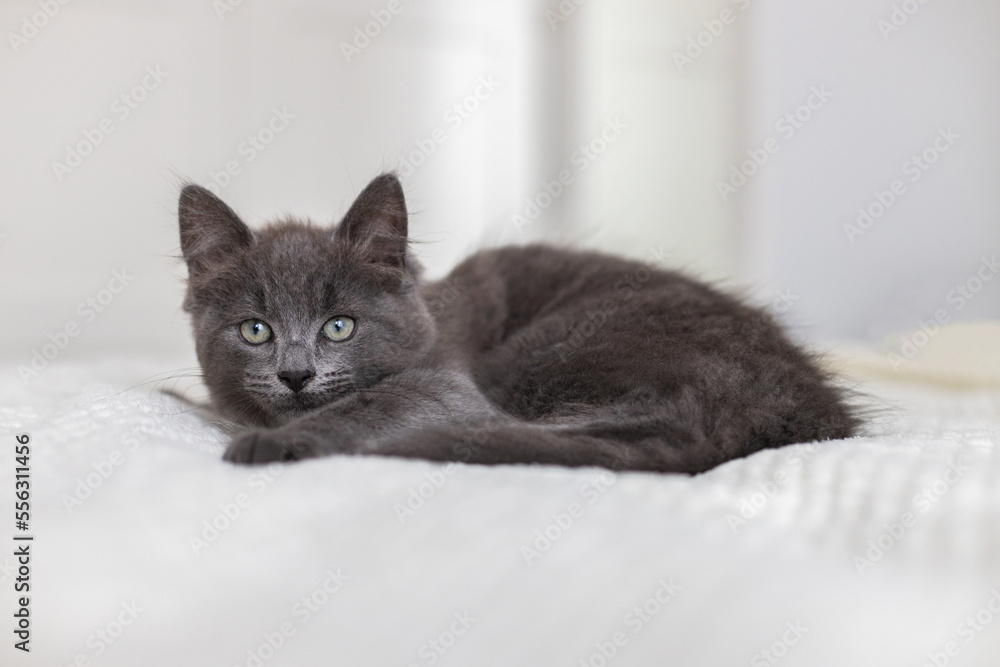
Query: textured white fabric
x=458, y=564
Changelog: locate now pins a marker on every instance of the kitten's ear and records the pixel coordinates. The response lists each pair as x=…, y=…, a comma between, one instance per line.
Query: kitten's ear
x=210, y=230
x=376, y=224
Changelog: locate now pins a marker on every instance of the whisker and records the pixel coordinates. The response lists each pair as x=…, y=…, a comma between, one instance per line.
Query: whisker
x=191, y=372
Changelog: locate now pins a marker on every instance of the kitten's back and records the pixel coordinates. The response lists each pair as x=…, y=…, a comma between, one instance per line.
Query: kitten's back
x=626, y=351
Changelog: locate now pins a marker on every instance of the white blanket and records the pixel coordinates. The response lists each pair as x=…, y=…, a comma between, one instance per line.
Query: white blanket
x=880, y=550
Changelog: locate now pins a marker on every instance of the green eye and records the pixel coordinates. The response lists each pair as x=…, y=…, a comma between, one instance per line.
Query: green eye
x=338, y=328
x=255, y=332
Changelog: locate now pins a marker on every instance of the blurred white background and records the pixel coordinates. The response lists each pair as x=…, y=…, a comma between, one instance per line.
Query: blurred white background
x=680, y=90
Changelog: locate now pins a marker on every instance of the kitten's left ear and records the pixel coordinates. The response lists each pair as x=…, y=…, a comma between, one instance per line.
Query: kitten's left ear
x=376, y=224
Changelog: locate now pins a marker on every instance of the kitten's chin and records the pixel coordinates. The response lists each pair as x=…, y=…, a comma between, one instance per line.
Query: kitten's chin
x=268, y=411
x=284, y=410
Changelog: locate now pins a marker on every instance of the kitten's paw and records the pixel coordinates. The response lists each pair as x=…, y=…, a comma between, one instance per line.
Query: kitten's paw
x=264, y=446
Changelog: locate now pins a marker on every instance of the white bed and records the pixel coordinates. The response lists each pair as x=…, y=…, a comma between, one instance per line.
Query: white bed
x=451, y=582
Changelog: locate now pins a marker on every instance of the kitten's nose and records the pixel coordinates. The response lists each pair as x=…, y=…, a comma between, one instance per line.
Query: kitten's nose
x=295, y=380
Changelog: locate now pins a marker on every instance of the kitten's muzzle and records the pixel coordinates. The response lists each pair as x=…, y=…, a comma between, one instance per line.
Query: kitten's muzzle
x=296, y=380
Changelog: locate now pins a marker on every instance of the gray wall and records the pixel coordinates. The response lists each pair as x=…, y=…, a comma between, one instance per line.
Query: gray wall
x=893, y=91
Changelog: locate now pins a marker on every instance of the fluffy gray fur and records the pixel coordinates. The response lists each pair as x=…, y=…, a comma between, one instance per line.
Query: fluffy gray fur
x=521, y=355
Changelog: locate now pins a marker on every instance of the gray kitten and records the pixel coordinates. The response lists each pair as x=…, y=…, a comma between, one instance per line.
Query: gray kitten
x=326, y=341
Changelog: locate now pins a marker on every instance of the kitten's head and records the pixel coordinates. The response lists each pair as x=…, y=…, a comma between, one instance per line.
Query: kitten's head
x=293, y=316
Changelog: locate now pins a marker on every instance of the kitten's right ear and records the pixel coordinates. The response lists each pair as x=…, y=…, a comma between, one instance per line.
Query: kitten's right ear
x=210, y=230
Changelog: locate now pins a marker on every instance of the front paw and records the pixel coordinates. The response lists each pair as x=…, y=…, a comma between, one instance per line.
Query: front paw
x=264, y=446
